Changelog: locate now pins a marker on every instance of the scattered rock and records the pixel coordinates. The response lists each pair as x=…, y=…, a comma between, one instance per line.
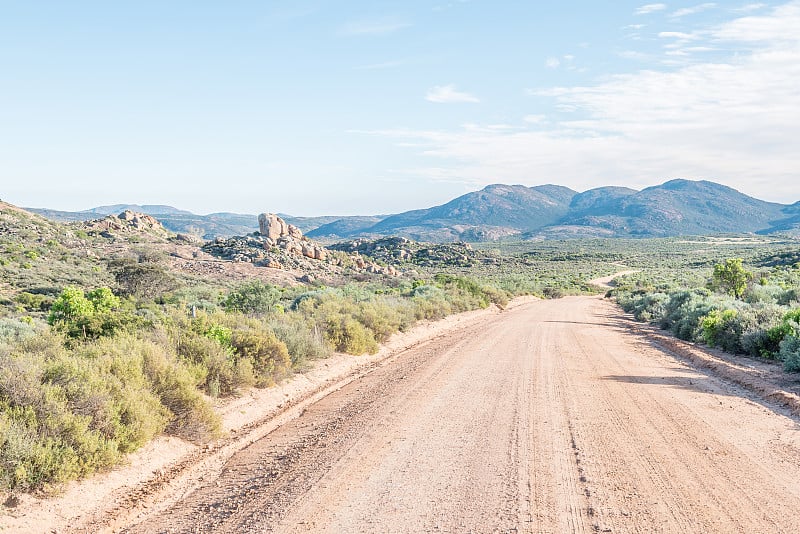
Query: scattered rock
x=189, y=239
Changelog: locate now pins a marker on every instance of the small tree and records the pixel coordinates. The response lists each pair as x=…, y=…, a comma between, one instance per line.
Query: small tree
x=254, y=297
x=142, y=279
x=102, y=299
x=70, y=306
x=731, y=278
x=86, y=315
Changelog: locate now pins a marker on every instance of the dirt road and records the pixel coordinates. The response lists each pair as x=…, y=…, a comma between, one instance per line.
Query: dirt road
x=549, y=417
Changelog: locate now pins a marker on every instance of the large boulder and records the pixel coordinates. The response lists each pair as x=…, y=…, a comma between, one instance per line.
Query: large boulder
x=295, y=232
x=272, y=226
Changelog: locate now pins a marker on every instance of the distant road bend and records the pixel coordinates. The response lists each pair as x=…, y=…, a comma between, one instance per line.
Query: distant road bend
x=549, y=417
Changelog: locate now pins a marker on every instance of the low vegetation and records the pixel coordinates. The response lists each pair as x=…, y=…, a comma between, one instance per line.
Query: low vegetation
x=104, y=346
x=94, y=373
x=740, y=309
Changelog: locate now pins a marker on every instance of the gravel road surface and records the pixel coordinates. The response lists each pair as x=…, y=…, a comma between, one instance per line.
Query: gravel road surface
x=552, y=416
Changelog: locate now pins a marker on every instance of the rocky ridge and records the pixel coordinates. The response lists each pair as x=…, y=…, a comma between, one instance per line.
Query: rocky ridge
x=406, y=251
x=125, y=224
x=279, y=245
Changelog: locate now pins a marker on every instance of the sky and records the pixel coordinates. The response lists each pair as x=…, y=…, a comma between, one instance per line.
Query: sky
x=355, y=108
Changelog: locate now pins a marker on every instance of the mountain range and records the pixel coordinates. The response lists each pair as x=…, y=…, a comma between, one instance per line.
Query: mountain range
x=676, y=207
x=182, y=221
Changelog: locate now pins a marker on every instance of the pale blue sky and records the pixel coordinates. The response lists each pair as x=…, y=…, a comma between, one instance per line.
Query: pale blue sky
x=319, y=107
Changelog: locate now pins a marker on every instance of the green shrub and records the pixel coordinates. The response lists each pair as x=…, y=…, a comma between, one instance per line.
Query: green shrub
x=70, y=306
x=147, y=278
x=34, y=302
x=790, y=353
x=720, y=328
x=430, y=303
x=253, y=298
x=731, y=278
x=89, y=316
x=109, y=386
x=763, y=294
x=221, y=375
x=552, y=292
x=790, y=297
x=13, y=331
x=645, y=307
x=758, y=338
x=463, y=293
x=788, y=327
x=67, y=413
x=268, y=355
x=304, y=341
x=683, y=312
x=382, y=317
x=175, y=384
x=221, y=334
x=346, y=334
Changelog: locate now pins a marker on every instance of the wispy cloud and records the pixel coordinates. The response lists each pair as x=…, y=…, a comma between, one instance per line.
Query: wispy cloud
x=379, y=26
x=552, y=63
x=650, y=8
x=448, y=94
x=635, y=55
x=747, y=8
x=535, y=119
x=678, y=35
x=734, y=120
x=779, y=26
x=692, y=10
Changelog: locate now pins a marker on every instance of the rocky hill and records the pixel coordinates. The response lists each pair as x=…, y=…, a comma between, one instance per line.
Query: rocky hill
x=403, y=251
x=126, y=224
x=280, y=245
x=39, y=257
x=180, y=221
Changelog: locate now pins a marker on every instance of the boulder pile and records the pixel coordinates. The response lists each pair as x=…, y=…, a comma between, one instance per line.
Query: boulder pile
x=279, y=245
x=276, y=232
x=399, y=250
x=126, y=223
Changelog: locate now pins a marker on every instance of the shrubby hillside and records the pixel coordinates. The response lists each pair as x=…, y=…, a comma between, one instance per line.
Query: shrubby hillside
x=116, y=330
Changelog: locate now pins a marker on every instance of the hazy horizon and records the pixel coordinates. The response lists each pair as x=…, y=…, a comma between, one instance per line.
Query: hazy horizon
x=313, y=108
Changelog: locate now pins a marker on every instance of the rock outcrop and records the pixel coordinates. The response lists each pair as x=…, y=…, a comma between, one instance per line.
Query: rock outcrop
x=402, y=251
x=279, y=245
x=125, y=224
x=272, y=226
x=277, y=233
